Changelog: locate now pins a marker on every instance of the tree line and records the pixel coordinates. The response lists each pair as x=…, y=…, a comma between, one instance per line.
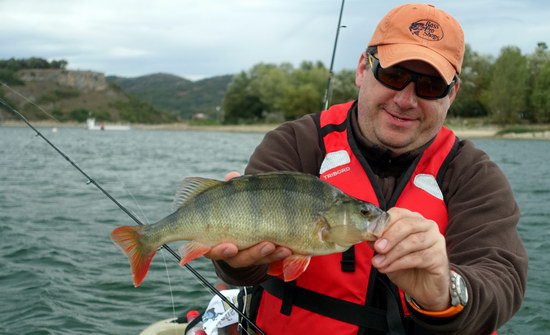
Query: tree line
x=511, y=89
x=32, y=63
x=9, y=67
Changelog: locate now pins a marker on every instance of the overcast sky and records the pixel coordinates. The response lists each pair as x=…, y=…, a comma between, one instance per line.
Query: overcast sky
x=204, y=38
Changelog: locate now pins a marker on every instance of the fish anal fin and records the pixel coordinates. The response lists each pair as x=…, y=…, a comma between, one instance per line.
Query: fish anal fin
x=192, y=250
x=275, y=268
x=192, y=186
x=294, y=266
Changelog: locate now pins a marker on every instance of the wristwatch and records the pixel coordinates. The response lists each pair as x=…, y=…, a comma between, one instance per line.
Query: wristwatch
x=459, y=298
x=459, y=291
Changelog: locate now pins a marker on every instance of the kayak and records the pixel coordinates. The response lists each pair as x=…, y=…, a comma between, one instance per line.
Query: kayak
x=217, y=315
x=165, y=327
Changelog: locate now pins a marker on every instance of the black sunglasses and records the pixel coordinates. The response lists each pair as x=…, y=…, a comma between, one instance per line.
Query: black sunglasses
x=397, y=78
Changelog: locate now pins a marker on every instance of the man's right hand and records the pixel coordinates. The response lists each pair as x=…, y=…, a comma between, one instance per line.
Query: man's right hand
x=261, y=253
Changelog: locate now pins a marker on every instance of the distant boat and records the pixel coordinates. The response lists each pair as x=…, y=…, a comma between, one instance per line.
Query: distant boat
x=91, y=125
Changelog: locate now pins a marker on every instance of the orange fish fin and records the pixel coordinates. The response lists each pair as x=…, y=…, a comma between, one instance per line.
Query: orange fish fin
x=139, y=254
x=275, y=268
x=192, y=250
x=294, y=266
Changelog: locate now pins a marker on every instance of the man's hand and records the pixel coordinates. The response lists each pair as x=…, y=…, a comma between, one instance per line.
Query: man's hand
x=261, y=253
x=412, y=253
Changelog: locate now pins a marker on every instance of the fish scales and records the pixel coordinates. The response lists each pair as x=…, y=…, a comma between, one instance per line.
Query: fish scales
x=295, y=210
x=288, y=209
x=246, y=213
x=273, y=214
x=256, y=202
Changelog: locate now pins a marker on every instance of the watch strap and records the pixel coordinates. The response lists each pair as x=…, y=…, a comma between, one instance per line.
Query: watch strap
x=451, y=311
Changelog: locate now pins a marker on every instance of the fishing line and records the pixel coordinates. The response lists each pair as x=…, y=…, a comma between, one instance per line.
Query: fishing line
x=169, y=286
x=240, y=325
x=162, y=252
x=9, y=108
x=29, y=101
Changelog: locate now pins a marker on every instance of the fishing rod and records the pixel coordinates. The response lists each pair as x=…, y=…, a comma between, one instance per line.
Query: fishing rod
x=9, y=108
x=328, y=92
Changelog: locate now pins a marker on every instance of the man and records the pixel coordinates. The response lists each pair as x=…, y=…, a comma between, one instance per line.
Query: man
x=451, y=260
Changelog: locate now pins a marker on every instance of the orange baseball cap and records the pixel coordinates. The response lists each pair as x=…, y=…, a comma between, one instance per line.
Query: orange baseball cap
x=420, y=32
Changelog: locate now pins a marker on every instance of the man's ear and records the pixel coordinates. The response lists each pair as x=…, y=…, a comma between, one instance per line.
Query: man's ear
x=360, y=72
x=454, y=91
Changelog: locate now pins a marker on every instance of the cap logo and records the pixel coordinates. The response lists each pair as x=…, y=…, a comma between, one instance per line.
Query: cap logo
x=427, y=29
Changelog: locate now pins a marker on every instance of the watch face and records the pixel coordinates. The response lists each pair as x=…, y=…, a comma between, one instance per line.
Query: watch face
x=459, y=291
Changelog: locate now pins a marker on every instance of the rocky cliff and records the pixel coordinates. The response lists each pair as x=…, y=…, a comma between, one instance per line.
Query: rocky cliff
x=75, y=95
x=80, y=80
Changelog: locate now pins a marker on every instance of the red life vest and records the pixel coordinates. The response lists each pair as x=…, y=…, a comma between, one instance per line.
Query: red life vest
x=345, y=168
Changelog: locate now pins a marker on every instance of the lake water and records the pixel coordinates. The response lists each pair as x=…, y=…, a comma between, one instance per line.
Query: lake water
x=61, y=274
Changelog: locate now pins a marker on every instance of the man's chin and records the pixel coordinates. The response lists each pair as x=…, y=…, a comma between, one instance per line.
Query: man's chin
x=397, y=144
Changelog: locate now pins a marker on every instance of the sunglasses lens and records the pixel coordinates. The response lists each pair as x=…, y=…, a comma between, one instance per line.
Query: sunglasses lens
x=398, y=78
x=394, y=77
x=430, y=87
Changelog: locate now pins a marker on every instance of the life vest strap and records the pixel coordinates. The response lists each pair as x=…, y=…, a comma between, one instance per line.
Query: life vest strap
x=287, y=301
x=342, y=310
x=348, y=260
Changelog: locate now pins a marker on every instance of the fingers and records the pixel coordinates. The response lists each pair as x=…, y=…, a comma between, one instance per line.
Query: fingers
x=261, y=253
x=410, y=255
x=231, y=175
x=410, y=241
x=222, y=251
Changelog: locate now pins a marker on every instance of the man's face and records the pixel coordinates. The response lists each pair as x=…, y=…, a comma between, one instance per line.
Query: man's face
x=399, y=120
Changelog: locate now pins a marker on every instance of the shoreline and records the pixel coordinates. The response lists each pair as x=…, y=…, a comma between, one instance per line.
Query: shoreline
x=469, y=132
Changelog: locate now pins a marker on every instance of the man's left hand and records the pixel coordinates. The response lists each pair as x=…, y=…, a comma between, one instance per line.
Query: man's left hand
x=412, y=253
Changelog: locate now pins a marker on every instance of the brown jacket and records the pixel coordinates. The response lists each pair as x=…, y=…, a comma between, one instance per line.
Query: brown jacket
x=482, y=239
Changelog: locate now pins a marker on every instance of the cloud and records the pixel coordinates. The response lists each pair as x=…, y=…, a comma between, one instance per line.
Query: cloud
x=212, y=37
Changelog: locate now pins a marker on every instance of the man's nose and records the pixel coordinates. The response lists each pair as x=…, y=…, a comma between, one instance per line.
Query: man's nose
x=406, y=98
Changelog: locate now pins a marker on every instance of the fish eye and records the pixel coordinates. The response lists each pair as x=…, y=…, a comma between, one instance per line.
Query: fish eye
x=365, y=211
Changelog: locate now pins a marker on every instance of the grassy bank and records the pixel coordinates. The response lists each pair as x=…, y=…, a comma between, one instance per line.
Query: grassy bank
x=463, y=128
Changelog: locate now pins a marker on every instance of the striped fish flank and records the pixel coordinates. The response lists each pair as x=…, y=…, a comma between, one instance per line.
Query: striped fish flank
x=291, y=209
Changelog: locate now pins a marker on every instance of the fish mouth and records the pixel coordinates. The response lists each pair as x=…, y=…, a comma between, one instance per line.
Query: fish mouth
x=381, y=223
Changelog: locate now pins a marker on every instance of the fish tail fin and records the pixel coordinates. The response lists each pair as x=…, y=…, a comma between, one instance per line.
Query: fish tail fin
x=140, y=253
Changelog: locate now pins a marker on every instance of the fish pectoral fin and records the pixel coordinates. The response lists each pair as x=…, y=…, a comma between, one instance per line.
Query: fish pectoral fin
x=344, y=235
x=275, y=268
x=192, y=250
x=294, y=266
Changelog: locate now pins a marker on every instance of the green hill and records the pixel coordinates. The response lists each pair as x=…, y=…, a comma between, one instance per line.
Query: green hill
x=177, y=95
x=70, y=95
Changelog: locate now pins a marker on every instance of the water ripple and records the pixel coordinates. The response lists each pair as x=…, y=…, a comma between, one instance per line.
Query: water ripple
x=64, y=275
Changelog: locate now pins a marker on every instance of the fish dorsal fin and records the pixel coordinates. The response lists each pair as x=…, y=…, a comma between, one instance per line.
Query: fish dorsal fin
x=192, y=186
